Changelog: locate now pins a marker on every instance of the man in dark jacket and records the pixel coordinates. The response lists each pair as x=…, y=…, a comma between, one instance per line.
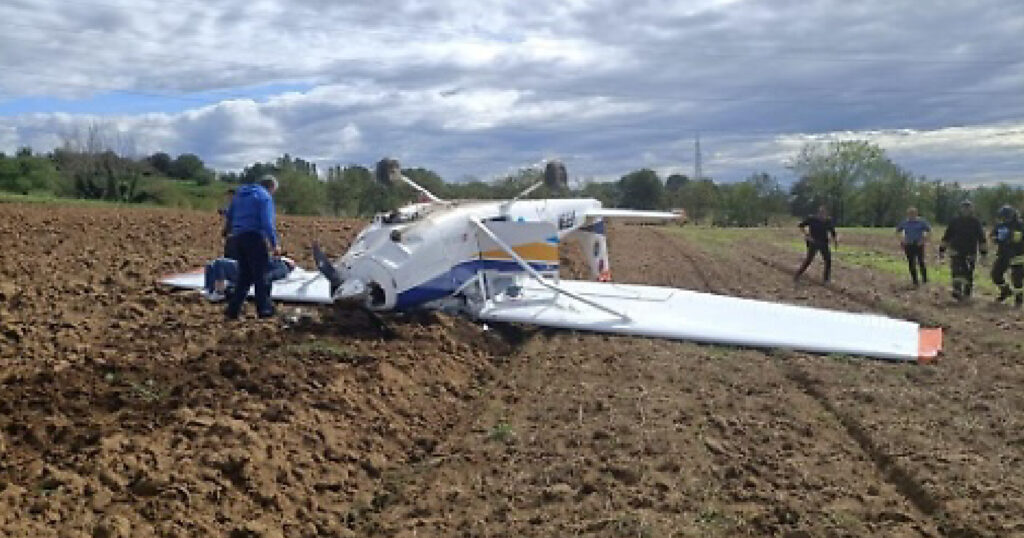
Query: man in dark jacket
x=964, y=237
x=252, y=222
x=1008, y=236
x=816, y=230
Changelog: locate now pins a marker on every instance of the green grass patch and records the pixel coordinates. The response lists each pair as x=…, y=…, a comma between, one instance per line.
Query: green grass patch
x=52, y=199
x=161, y=192
x=896, y=264
x=883, y=231
x=502, y=432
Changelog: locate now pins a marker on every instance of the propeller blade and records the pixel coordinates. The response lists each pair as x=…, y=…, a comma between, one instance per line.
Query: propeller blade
x=326, y=268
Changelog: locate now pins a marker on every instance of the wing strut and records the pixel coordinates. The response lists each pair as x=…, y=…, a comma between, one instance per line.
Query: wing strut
x=537, y=276
x=416, y=186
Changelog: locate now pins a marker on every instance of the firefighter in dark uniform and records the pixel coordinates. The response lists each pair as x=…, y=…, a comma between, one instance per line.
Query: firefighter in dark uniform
x=964, y=237
x=816, y=230
x=1008, y=235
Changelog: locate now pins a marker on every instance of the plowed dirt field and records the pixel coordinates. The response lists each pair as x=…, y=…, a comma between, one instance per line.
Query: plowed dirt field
x=127, y=410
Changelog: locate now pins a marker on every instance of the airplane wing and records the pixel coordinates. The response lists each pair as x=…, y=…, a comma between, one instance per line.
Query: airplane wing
x=703, y=317
x=300, y=286
x=631, y=214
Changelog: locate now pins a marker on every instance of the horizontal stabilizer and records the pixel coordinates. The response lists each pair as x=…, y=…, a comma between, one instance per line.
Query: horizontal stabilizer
x=631, y=214
x=703, y=317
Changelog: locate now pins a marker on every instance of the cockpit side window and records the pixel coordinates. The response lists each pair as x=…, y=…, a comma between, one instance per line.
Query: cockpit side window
x=397, y=217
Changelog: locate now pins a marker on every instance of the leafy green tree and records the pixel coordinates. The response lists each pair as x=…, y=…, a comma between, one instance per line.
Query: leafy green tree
x=835, y=171
x=161, y=162
x=675, y=182
x=803, y=200
x=253, y=172
x=377, y=198
x=641, y=189
x=510, y=186
x=605, y=191
x=345, y=189
x=988, y=200
x=27, y=173
x=187, y=166
x=884, y=196
x=939, y=201
x=698, y=198
x=470, y=190
x=750, y=202
x=10, y=175
x=428, y=179
x=299, y=193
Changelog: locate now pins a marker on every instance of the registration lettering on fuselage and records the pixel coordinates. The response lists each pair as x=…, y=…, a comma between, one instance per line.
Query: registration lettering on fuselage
x=566, y=220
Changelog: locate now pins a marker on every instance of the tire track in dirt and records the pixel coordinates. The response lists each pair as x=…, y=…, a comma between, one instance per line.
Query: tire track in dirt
x=624, y=437
x=649, y=259
x=941, y=473
x=910, y=487
x=742, y=271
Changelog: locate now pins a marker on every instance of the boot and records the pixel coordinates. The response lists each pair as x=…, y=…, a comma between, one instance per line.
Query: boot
x=1004, y=293
x=1018, y=300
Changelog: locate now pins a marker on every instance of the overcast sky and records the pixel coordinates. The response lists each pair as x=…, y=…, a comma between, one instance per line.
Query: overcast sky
x=479, y=88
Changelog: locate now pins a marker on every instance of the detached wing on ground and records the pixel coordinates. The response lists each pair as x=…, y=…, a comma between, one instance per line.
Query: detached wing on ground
x=300, y=286
x=704, y=317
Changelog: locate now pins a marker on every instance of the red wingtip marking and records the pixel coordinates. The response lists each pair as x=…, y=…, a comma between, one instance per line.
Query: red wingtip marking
x=929, y=344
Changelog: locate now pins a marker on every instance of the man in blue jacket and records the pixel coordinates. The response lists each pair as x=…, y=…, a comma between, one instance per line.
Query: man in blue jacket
x=914, y=235
x=251, y=219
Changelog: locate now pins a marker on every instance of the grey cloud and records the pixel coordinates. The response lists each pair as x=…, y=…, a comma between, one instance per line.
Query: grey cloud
x=478, y=88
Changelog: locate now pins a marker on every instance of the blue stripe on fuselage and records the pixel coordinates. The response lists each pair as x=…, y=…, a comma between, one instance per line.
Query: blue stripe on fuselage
x=449, y=281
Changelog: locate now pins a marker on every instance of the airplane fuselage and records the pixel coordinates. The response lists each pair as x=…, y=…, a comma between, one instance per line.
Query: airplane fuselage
x=424, y=252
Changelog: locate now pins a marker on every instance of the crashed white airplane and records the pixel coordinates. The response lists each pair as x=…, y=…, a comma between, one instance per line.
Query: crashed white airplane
x=498, y=261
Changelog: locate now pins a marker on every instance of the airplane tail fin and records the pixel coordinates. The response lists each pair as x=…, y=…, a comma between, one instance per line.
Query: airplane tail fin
x=594, y=242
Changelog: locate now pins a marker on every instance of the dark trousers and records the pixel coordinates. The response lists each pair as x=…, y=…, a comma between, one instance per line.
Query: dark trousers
x=252, y=269
x=915, y=259
x=826, y=256
x=999, y=268
x=231, y=247
x=962, y=266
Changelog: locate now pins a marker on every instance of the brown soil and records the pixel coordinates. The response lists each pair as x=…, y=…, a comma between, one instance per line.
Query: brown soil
x=131, y=411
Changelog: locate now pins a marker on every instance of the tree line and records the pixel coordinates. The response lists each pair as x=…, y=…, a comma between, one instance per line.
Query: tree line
x=93, y=165
x=855, y=180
